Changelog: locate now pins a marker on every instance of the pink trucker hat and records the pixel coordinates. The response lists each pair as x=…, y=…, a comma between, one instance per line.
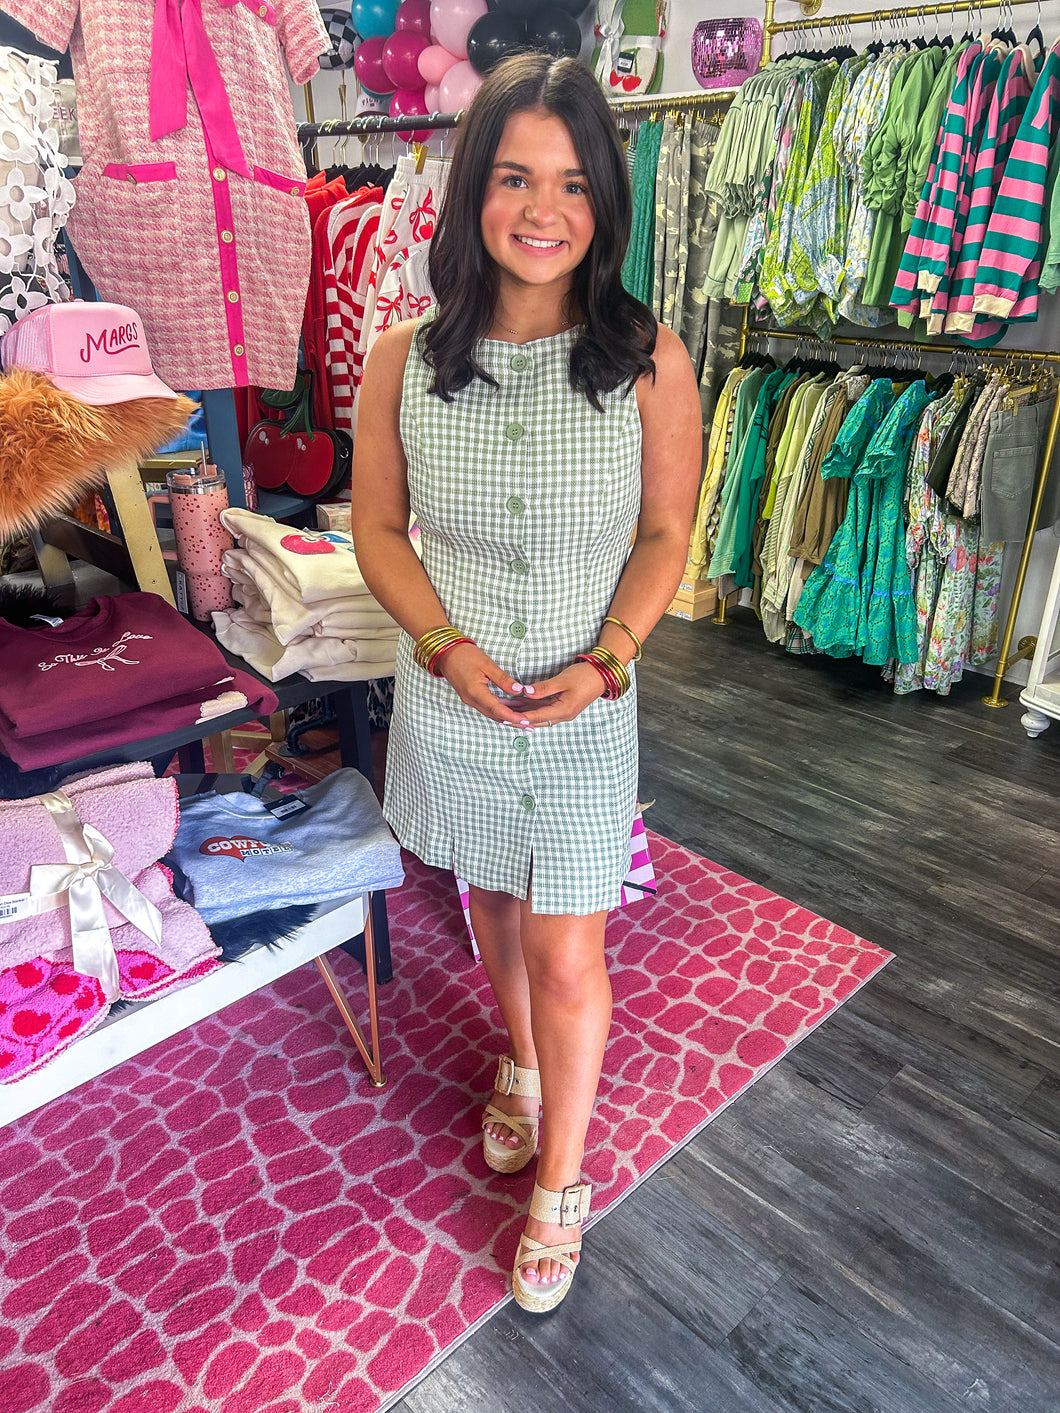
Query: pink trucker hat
x=95, y=352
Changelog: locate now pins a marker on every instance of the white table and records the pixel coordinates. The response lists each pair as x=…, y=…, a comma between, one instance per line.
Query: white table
x=137, y=1027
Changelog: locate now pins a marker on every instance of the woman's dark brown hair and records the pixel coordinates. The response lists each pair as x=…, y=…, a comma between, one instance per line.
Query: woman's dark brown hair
x=618, y=332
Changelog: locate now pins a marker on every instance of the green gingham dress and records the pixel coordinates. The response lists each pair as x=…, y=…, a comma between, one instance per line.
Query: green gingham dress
x=526, y=499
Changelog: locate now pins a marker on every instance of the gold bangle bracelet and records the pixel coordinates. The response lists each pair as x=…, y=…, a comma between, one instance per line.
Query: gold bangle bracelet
x=615, y=664
x=427, y=646
x=629, y=633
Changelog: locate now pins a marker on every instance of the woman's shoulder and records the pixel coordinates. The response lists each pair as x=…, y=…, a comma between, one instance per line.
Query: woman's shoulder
x=397, y=339
x=390, y=352
x=669, y=350
x=673, y=368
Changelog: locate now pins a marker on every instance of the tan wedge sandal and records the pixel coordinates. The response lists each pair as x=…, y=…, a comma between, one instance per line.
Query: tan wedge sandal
x=568, y=1208
x=511, y=1079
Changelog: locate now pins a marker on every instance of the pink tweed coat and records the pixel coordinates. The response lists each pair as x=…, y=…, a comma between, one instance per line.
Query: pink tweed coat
x=190, y=203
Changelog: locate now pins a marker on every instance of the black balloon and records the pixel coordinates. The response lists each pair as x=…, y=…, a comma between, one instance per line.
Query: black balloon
x=525, y=9
x=529, y=9
x=554, y=31
x=492, y=38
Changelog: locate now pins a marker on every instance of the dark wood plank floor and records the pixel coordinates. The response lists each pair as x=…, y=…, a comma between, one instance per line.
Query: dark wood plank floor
x=874, y=1227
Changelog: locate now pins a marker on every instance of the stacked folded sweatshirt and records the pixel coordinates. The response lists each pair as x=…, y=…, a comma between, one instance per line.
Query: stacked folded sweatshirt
x=45, y=1002
x=234, y=855
x=124, y=668
x=302, y=605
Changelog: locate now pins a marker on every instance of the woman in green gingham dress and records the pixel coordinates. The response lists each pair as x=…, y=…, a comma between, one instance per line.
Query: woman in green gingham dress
x=531, y=421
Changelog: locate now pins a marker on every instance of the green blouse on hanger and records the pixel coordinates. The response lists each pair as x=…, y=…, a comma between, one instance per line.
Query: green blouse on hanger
x=887, y=163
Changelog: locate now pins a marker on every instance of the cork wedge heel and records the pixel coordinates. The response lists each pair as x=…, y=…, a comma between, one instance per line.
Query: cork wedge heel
x=511, y=1079
x=568, y=1208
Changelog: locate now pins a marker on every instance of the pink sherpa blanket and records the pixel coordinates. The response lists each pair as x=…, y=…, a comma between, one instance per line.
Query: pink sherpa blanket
x=185, y=937
x=135, y=812
x=45, y=1005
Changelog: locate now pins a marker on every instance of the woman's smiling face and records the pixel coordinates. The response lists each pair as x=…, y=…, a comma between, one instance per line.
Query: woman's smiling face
x=537, y=217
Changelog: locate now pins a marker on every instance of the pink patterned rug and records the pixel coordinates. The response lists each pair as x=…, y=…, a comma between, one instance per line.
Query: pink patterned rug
x=235, y=1222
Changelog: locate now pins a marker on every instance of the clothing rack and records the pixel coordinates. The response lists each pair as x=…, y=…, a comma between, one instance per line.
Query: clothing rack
x=770, y=27
x=372, y=124
x=1001, y=354
x=845, y=22
x=1026, y=646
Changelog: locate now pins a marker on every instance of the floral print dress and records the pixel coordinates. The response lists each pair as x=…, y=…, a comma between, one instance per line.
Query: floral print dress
x=956, y=580
x=862, y=117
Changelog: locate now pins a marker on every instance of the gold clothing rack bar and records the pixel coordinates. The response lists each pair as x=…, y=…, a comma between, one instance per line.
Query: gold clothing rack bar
x=660, y=102
x=1026, y=646
x=375, y=124
x=770, y=27
x=1002, y=354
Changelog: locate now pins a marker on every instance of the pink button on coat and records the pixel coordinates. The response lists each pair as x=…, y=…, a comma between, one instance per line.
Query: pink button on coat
x=201, y=228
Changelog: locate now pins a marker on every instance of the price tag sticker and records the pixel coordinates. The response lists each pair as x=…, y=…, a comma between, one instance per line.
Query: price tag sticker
x=286, y=807
x=15, y=906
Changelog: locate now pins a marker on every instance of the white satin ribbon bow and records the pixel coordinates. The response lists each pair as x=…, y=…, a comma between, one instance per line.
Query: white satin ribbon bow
x=84, y=880
x=609, y=31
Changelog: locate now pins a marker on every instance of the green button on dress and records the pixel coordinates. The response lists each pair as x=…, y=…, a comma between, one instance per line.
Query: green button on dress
x=524, y=540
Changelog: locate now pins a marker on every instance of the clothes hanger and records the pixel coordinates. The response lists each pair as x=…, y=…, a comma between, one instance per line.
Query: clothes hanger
x=1010, y=33
x=328, y=130
x=841, y=51
x=1036, y=33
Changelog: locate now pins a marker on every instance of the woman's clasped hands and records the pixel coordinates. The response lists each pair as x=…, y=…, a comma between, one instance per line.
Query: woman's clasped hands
x=472, y=674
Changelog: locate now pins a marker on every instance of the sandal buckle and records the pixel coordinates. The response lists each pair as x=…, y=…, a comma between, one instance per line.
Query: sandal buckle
x=505, y=1075
x=574, y=1204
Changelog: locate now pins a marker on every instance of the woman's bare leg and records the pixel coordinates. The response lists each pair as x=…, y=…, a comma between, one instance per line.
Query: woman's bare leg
x=570, y=1008
x=495, y=918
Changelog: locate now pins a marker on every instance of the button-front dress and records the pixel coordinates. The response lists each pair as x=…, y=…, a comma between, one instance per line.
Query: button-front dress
x=190, y=202
x=526, y=499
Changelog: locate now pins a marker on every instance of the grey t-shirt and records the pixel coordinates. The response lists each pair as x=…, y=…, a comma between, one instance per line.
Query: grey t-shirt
x=239, y=858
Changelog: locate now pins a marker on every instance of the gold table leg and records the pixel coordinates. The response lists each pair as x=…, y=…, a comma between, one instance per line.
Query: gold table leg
x=372, y=1057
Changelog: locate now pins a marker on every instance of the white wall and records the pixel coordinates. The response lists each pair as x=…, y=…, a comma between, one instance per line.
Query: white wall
x=679, y=78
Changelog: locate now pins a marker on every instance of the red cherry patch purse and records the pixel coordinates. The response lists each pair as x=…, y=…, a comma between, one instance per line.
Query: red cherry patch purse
x=294, y=455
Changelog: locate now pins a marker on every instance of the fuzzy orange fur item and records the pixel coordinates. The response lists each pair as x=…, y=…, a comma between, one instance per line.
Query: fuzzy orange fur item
x=54, y=448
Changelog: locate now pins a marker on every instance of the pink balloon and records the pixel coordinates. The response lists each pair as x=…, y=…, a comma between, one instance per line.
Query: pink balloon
x=432, y=98
x=458, y=87
x=368, y=66
x=414, y=15
x=434, y=62
x=409, y=102
x=400, y=53
x=452, y=19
